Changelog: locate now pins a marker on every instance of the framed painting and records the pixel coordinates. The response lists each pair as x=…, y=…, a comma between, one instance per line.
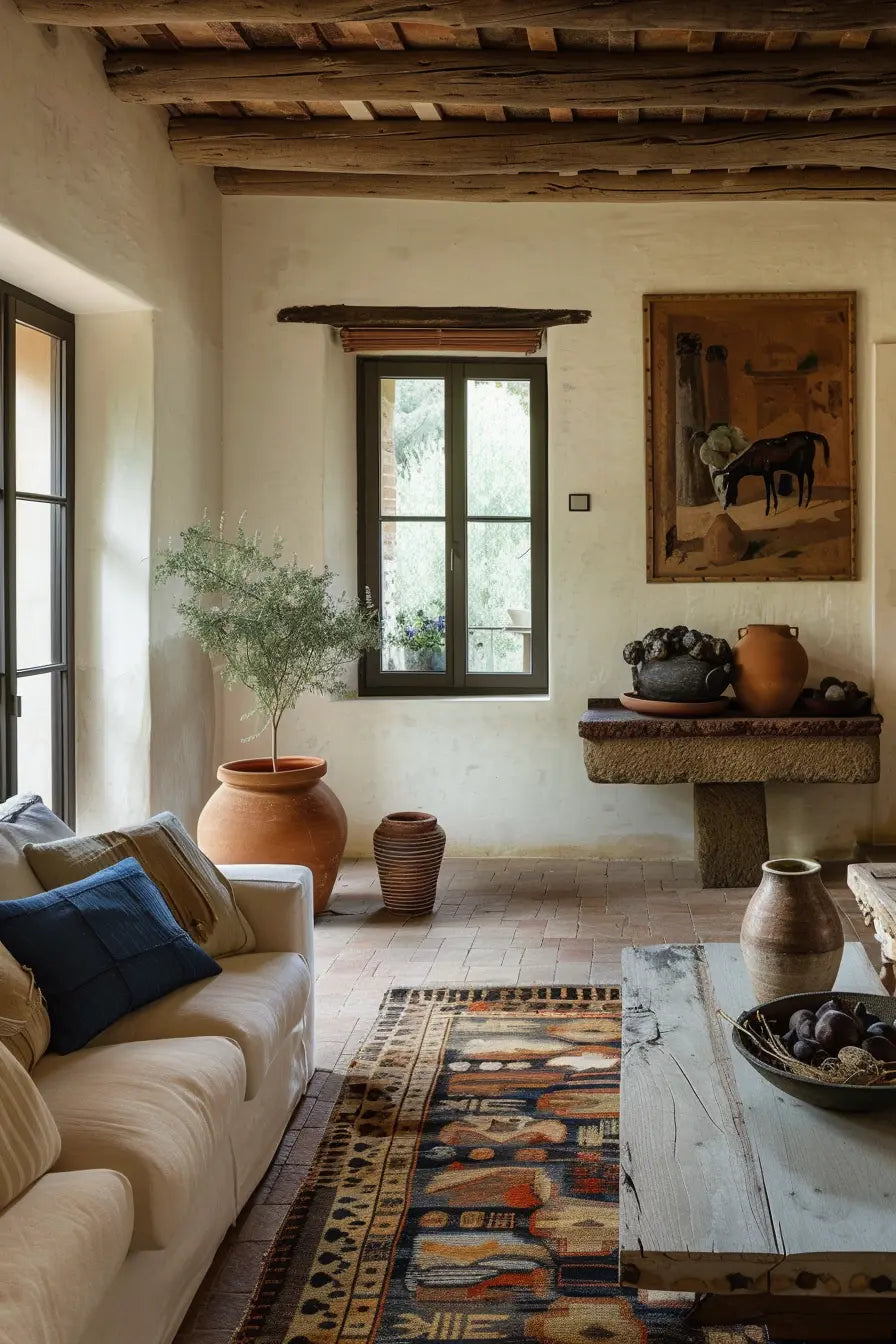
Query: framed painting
x=750, y=403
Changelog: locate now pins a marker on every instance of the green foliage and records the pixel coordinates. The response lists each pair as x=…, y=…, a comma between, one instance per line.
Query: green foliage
x=271, y=625
x=418, y=631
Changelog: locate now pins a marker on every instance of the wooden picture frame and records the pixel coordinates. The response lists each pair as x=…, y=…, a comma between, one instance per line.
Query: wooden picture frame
x=774, y=497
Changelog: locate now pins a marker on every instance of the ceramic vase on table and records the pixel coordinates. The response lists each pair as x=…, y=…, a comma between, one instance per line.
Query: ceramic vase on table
x=770, y=669
x=791, y=936
x=290, y=815
x=408, y=848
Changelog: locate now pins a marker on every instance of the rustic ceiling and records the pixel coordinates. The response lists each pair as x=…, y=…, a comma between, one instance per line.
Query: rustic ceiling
x=514, y=99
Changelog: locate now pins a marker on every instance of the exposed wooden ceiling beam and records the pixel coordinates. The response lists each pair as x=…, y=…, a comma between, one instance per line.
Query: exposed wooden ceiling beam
x=802, y=80
x=775, y=184
x=401, y=147
x=606, y=15
x=433, y=319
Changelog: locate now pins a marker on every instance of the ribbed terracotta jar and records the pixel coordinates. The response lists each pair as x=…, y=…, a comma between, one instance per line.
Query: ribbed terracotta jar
x=791, y=936
x=770, y=669
x=291, y=816
x=408, y=848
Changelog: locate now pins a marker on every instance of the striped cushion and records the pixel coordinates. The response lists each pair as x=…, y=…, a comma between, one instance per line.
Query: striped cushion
x=29, y=1139
x=24, y=1022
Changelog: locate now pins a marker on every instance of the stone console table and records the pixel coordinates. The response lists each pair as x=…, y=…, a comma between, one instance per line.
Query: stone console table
x=728, y=759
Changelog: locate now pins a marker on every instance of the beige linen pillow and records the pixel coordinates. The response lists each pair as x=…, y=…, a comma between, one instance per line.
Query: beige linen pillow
x=29, y=1139
x=24, y=1020
x=197, y=894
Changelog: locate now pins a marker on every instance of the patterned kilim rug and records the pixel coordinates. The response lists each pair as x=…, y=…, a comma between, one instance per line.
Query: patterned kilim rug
x=466, y=1187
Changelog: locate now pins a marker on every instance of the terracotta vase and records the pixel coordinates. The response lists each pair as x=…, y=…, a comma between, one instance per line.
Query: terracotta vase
x=287, y=816
x=791, y=936
x=408, y=848
x=770, y=669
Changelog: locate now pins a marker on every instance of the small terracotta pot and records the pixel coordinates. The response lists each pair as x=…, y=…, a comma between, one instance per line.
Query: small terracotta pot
x=770, y=669
x=408, y=848
x=791, y=936
x=288, y=816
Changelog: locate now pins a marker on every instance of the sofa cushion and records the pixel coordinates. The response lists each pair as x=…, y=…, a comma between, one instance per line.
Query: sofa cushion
x=100, y=948
x=24, y=1020
x=24, y=820
x=256, y=1000
x=157, y=1111
x=61, y=1245
x=196, y=893
x=29, y=1139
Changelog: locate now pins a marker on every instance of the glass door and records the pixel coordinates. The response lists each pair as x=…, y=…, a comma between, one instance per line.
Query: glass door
x=37, y=499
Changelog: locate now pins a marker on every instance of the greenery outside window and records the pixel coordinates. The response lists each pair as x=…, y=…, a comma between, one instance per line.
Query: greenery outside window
x=37, y=722
x=453, y=524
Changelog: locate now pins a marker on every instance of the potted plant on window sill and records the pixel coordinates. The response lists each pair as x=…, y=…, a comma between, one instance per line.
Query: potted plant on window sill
x=275, y=628
x=423, y=639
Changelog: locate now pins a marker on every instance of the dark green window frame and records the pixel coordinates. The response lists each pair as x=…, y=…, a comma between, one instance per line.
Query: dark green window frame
x=456, y=680
x=18, y=307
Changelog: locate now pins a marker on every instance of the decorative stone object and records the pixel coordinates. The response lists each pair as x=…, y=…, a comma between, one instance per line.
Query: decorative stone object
x=770, y=669
x=724, y=543
x=791, y=936
x=678, y=664
x=408, y=848
x=288, y=816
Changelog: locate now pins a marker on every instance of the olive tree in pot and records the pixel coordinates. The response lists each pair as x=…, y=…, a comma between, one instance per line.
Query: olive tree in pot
x=274, y=627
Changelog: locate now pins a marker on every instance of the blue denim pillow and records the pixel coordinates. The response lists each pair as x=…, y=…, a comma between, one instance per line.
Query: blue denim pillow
x=100, y=948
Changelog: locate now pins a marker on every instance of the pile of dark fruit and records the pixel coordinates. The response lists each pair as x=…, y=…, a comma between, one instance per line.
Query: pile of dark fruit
x=815, y=1037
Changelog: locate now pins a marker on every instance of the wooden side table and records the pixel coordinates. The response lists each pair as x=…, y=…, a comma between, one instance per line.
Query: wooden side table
x=874, y=887
x=728, y=759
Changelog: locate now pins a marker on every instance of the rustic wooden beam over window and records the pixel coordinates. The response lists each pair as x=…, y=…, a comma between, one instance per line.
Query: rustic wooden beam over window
x=775, y=184
x=802, y=80
x=467, y=146
x=604, y=15
x=467, y=320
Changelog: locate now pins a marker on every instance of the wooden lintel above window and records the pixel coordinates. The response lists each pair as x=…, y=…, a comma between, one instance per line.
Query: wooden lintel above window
x=432, y=320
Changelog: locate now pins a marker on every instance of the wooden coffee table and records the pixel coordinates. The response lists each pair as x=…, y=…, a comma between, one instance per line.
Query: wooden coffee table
x=769, y=1210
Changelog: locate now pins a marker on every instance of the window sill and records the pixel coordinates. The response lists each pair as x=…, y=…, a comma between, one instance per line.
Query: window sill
x=498, y=697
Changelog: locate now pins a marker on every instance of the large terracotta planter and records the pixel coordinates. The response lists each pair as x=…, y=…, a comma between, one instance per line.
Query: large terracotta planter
x=770, y=669
x=408, y=848
x=291, y=816
x=791, y=936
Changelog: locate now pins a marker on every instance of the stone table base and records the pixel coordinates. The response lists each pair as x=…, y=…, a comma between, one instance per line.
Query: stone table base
x=730, y=834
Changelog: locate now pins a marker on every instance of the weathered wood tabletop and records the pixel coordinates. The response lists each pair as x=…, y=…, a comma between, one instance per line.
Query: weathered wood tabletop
x=728, y=1185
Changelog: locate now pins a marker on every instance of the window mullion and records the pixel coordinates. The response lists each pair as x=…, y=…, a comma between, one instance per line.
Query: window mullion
x=456, y=432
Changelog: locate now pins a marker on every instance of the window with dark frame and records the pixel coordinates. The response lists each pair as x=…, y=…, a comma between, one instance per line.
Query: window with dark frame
x=37, y=723
x=452, y=473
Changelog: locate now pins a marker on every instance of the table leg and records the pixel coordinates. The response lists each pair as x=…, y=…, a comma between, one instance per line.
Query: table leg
x=800, y=1318
x=730, y=834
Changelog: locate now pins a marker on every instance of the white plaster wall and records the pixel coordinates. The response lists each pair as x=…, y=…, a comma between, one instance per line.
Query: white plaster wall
x=96, y=216
x=506, y=775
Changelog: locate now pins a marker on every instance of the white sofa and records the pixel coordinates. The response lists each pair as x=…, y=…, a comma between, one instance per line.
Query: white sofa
x=167, y=1122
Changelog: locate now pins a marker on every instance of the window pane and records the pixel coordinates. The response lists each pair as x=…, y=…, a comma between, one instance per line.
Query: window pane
x=413, y=597
x=35, y=731
x=37, y=642
x=499, y=597
x=498, y=447
x=36, y=401
x=412, y=446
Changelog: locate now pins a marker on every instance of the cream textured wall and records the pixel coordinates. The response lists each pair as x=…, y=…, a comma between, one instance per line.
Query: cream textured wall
x=507, y=775
x=96, y=216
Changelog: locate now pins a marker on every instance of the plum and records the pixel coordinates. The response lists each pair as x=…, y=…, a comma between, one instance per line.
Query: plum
x=801, y=1015
x=834, y=1030
x=832, y=1005
x=805, y=1051
x=880, y=1048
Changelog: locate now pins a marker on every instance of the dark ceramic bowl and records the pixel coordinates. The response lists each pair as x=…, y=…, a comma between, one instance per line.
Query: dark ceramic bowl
x=813, y=702
x=830, y=1096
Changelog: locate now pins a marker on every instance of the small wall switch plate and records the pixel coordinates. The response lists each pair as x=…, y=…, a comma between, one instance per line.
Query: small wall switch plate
x=580, y=503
